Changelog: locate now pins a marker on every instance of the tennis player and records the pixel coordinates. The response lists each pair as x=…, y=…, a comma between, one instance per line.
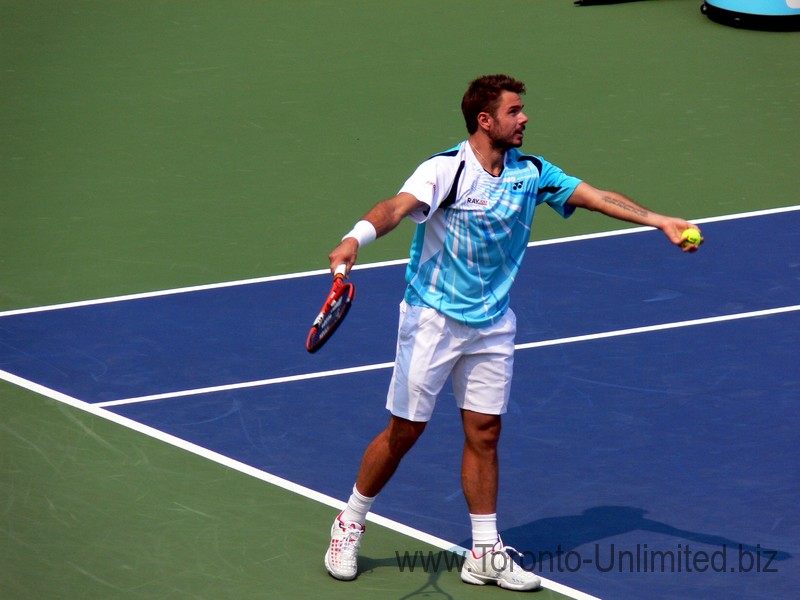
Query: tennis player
x=474, y=205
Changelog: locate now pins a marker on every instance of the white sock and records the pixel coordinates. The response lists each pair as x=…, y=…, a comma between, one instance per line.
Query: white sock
x=484, y=533
x=357, y=507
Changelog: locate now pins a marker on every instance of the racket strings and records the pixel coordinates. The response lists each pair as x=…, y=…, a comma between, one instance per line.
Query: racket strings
x=331, y=316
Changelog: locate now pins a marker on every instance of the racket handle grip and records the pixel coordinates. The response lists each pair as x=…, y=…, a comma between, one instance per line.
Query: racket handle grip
x=340, y=271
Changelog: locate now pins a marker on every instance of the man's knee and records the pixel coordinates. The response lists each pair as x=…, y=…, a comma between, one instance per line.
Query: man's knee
x=482, y=431
x=403, y=434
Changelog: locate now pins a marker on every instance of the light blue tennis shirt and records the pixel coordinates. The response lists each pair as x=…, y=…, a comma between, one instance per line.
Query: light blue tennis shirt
x=473, y=233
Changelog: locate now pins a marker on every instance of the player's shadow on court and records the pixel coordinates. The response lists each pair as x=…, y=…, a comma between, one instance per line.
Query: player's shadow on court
x=561, y=534
x=424, y=575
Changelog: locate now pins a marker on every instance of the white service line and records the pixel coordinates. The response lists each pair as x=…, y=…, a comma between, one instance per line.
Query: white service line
x=663, y=326
x=387, y=365
x=246, y=384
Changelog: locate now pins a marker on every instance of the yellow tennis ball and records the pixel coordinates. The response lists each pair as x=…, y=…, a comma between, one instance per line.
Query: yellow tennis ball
x=691, y=236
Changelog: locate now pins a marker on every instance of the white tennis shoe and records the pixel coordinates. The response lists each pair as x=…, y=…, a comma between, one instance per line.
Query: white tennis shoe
x=341, y=559
x=497, y=567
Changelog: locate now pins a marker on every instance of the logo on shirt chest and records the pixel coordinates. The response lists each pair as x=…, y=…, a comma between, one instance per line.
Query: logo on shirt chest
x=473, y=201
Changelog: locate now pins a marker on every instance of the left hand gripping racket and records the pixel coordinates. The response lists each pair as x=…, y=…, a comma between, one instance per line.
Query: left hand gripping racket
x=333, y=311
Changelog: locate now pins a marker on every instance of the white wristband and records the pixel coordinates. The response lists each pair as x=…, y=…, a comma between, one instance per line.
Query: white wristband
x=364, y=233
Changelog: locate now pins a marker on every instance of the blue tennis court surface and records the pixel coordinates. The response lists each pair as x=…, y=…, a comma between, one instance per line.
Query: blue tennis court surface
x=652, y=463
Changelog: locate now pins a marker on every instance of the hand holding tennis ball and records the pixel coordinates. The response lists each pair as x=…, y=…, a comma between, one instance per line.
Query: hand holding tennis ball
x=691, y=238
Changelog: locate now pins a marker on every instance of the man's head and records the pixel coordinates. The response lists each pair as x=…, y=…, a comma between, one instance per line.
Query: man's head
x=483, y=96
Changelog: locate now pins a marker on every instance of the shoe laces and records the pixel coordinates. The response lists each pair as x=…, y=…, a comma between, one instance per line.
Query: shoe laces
x=508, y=549
x=500, y=547
x=352, y=538
x=520, y=573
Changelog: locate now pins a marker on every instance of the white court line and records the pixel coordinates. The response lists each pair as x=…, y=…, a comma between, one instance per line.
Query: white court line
x=388, y=263
x=387, y=365
x=246, y=384
x=663, y=326
x=604, y=234
x=246, y=469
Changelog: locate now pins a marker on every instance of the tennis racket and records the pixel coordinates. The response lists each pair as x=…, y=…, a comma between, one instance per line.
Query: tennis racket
x=333, y=311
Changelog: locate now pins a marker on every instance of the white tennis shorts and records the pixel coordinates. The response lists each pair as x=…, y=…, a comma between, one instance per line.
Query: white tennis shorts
x=431, y=347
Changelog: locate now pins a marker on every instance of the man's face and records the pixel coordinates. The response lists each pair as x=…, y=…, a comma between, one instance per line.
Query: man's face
x=508, y=123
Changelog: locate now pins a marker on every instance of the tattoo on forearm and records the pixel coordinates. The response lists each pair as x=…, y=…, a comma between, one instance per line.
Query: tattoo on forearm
x=627, y=206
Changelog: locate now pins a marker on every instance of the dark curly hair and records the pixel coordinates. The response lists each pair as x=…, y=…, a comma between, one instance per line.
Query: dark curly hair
x=483, y=95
